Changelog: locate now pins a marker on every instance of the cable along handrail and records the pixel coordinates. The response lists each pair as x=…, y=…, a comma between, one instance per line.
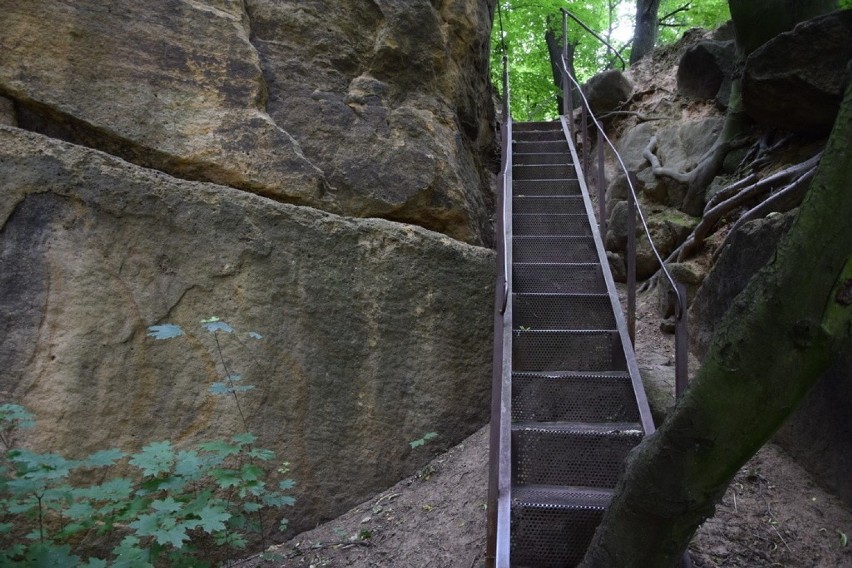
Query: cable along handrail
x=681, y=333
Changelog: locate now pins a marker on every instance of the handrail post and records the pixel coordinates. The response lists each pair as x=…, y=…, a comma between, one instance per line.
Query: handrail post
x=601, y=184
x=585, y=126
x=631, y=263
x=681, y=342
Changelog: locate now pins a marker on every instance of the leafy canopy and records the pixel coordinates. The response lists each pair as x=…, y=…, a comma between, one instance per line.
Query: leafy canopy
x=524, y=22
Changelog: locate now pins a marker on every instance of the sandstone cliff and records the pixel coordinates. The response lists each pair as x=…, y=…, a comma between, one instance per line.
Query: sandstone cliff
x=195, y=158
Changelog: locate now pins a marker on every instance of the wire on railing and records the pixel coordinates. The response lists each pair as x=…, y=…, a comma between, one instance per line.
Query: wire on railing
x=681, y=333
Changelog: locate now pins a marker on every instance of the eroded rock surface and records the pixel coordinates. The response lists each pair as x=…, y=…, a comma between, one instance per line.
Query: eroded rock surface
x=374, y=332
x=360, y=108
x=796, y=80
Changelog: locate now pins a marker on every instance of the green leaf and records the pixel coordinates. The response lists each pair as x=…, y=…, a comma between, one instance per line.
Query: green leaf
x=220, y=447
x=220, y=388
x=189, y=464
x=287, y=484
x=118, y=489
x=164, y=331
x=262, y=454
x=94, y=563
x=244, y=438
x=15, y=416
x=277, y=500
x=154, y=459
x=214, y=326
x=79, y=511
x=167, y=505
x=213, y=518
x=6, y=527
x=48, y=554
x=103, y=458
x=165, y=529
x=252, y=507
x=128, y=554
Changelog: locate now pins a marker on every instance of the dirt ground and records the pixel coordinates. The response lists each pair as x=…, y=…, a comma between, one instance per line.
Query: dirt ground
x=773, y=514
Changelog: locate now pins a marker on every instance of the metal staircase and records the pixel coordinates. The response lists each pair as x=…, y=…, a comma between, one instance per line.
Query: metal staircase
x=568, y=403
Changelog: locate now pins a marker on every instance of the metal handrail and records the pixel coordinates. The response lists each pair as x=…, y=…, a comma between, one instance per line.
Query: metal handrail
x=681, y=333
x=594, y=34
x=499, y=478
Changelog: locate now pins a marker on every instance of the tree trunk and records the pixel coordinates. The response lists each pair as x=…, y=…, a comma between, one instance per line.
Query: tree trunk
x=554, y=49
x=645, y=30
x=780, y=334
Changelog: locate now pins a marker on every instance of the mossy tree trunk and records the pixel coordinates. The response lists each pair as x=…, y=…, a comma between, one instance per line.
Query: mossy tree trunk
x=780, y=334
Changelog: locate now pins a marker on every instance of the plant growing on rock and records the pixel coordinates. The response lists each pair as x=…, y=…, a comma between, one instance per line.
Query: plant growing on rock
x=160, y=505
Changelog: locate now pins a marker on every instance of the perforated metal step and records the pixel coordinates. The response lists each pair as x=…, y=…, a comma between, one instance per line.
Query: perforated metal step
x=544, y=146
x=545, y=351
x=537, y=159
x=551, y=527
x=551, y=225
x=532, y=278
x=573, y=397
x=562, y=311
x=553, y=249
x=542, y=171
x=548, y=205
x=571, y=453
x=546, y=187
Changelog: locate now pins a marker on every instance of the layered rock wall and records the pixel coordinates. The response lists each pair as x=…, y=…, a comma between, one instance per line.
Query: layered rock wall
x=373, y=332
x=273, y=163
x=362, y=108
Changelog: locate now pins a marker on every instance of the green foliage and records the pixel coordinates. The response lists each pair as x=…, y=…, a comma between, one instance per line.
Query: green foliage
x=160, y=505
x=427, y=437
x=534, y=95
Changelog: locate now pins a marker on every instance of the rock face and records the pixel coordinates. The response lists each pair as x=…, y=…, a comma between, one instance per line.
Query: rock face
x=796, y=80
x=374, y=332
x=705, y=71
x=607, y=91
x=748, y=251
x=360, y=108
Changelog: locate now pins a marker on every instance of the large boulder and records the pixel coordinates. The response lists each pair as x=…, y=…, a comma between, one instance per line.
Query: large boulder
x=374, y=332
x=796, y=81
x=705, y=71
x=360, y=108
x=607, y=91
x=747, y=251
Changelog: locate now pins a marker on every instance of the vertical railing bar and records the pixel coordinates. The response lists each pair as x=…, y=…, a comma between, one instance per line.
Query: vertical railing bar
x=585, y=126
x=681, y=345
x=567, y=88
x=601, y=185
x=631, y=266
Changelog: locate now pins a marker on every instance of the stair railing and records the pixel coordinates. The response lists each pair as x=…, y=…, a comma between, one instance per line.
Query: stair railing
x=633, y=210
x=499, y=473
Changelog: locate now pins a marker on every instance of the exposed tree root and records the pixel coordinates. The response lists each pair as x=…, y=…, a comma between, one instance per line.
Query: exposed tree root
x=793, y=182
x=783, y=200
x=697, y=179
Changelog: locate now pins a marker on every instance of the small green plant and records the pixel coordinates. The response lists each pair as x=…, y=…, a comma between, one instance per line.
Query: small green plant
x=161, y=505
x=427, y=437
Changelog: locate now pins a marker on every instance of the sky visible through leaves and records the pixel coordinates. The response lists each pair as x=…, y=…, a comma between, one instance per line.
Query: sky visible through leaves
x=524, y=22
